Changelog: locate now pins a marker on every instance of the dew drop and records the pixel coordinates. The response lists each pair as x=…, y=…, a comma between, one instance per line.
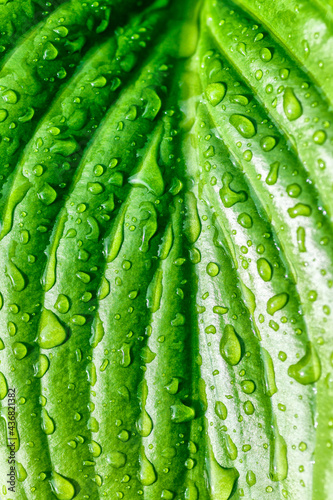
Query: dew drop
x=291, y=105
x=243, y=125
x=230, y=347
x=215, y=93
x=308, y=369
x=50, y=333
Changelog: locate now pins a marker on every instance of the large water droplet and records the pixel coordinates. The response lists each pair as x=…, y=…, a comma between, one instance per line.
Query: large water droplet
x=228, y=196
x=215, y=93
x=62, y=487
x=16, y=277
x=231, y=448
x=50, y=52
x=192, y=225
x=62, y=304
x=144, y=424
x=221, y=410
x=230, y=346
x=266, y=54
x=50, y=333
x=264, y=269
x=278, y=457
x=268, y=143
x=47, y=194
x=147, y=474
x=308, y=369
x=42, y=365
x=268, y=373
x=21, y=472
x=47, y=423
x=319, y=137
x=300, y=210
x=243, y=125
x=272, y=176
x=181, y=413
x=221, y=480
x=20, y=350
x=291, y=105
x=3, y=386
x=277, y=302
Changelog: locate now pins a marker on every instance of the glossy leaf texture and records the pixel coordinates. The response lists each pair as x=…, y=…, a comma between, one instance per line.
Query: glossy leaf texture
x=166, y=249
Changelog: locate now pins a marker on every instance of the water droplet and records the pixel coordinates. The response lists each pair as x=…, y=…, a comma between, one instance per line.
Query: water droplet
x=248, y=386
x=241, y=48
x=215, y=93
x=144, y=424
x=258, y=74
x=191, y=225
x=248, y=408
x=245, y=220
x=153, y=103
x=62, y=304
x=181, y=413
x=47, y=194
x=300, y=210
x=147, y=474
x=212, y=269
x=294, y=190
x=251, y=478
x=91, y=374
x=61, y=487
x=99, y=82
x=268, y=373
x=265, y=54
x=42, y=365
x=126, y=355
x=167, y=495
x=221, y=410
x=301, y=239
x=230, y=347
x=116, y=459
x=65, y=147
x=284, y=73
x=47, y=423
x=239, y=99
x=308, y=369
x=3, y=386
x=243, y=125
x=50, y=332
x=21, y=472
x=20, y=350
x=228, y=196
x=265, y=270
x=291, y=105
x=173, y=386
x=16, y=277
x=50, y=52
x=3, y=115
x=272, y=177
x=268, y=143
x=10, y=96
x=221, y=480
x=61, y=31
x=258, y=37
x=319, y=137
x=277, y=302
x=278, y=457
x=231, y=448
